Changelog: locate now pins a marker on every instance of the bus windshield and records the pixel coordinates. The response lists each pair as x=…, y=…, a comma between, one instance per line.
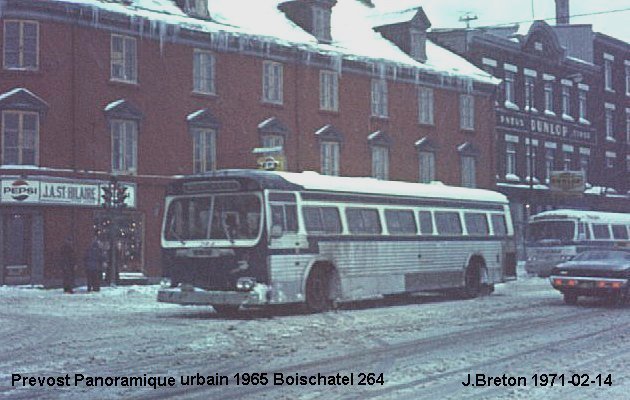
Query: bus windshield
x=562, y=231
x=229, y=217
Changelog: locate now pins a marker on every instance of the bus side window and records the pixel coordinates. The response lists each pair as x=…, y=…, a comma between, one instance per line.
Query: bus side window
x=476, y=223
x=400, y=222
x=285, y=216
x=321, y=219
x=426, y=222
x=600, y=231
x=363, y=220
x=620, y=232
x=499, y=225
x=448, y=223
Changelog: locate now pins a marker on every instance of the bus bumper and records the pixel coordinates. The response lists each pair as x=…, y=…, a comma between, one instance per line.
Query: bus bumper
x=188, y=295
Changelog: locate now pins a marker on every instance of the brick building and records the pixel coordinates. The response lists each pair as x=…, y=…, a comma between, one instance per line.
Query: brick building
x=554, y=111
x=144, y=90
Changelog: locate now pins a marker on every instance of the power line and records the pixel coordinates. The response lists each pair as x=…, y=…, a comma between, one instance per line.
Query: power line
x=554, y=17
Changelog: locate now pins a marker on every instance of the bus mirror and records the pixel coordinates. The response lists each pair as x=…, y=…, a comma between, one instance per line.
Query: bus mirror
x=276, y=231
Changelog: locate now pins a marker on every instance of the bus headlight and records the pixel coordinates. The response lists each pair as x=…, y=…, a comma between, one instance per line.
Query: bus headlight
x=245, y=284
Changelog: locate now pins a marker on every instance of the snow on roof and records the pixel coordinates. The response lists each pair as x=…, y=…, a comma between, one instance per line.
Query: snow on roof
x=352, y=31
x=314, y=181
x=392, y=17
x=592, y=216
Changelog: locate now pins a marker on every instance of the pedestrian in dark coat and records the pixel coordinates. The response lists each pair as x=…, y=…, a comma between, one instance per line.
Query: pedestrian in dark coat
x=93, y=261
x=67, y=261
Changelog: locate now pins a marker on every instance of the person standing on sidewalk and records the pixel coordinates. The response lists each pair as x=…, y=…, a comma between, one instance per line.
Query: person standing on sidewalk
x=67, y=261
x=93, y=262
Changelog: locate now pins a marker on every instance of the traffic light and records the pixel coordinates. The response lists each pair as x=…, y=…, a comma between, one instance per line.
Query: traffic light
x=107, y=196
x=121, y=196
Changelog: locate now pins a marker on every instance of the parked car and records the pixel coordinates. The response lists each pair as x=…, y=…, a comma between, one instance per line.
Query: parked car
x=600, y=273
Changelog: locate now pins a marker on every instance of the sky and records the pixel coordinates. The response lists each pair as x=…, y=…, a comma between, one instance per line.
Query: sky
x=445, y=13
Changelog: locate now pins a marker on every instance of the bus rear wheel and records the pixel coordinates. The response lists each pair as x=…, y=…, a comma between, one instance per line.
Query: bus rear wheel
x=318, y=290
x=472, y=282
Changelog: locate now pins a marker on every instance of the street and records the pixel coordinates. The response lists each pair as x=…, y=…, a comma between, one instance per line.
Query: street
x=512, y=345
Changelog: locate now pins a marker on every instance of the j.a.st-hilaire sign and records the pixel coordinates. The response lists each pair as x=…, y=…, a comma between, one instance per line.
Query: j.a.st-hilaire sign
x=68, y=193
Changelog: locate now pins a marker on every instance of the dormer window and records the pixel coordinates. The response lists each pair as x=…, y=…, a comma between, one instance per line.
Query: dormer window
x=321, y=23
x=197, y=8
x=418, y=44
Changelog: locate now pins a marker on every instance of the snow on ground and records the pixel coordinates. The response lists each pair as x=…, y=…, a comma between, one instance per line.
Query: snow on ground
x=425, y=346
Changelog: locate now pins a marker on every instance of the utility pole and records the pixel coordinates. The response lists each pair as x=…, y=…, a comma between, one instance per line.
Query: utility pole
x=467, y=17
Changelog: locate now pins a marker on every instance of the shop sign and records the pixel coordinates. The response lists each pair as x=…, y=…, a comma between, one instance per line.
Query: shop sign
x=567, y=183
x=68, y=193
x=542, y=126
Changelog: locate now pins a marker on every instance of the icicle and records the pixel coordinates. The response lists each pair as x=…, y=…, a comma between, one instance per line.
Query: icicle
x=163, y=33
x=337, y=62
x=95, y=18
x=152, y=28
x=176, y=30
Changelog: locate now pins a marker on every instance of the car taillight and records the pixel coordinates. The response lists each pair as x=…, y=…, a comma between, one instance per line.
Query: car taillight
x=571, y=282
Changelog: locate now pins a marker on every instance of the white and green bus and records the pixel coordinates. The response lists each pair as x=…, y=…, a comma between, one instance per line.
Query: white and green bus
x=253, y=238
x=559, y=235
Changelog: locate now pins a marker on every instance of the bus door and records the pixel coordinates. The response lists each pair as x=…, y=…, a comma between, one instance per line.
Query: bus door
x=283, y=223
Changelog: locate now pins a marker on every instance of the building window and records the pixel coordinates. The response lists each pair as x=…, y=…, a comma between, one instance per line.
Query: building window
x=427, y=166
x=272, y=82
x=531, y=152
x=582, y=105
x=510, y=102
x=328, y=91
x=627, y=79
x=584, y=164
x=379, y=98
x=566, y=101
x=608, y=82
x=567, y=160
x=21, y=45
x=550, y=157
x=380, y=162
x=467, y=112
x=628, y=126
x=609, y=126
x=20, y=138
x=124, y=59
x=529, y=93
x=124, y=146
x=469, y=171
x=425, y=105
x=204, y=150
x=198, y=8
x=271, y=141
x=417, y=44
x=330, y=158
x=203, y=72
x=510, y=159
x=321, y=23
x=610, y=159
x=549, y=97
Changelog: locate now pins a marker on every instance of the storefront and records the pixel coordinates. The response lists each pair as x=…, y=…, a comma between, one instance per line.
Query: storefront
x=37, y=213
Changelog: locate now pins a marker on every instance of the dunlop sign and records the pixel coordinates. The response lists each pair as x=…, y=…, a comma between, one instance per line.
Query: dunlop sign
x=569, y=183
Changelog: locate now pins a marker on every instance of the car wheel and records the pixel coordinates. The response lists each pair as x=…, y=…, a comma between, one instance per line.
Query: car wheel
x=570, y=298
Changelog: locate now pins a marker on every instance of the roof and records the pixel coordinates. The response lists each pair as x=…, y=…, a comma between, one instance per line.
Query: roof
x=357, y=185
x=587, y=215
x=353, y=37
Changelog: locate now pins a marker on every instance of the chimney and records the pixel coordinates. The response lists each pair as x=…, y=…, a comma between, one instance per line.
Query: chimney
x=562, y=12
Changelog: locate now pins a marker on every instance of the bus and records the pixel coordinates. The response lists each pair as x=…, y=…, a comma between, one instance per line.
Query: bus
x=559, y=235
x=254, y=238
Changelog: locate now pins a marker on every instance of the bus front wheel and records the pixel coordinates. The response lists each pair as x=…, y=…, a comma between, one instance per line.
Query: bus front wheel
x=318, y=290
